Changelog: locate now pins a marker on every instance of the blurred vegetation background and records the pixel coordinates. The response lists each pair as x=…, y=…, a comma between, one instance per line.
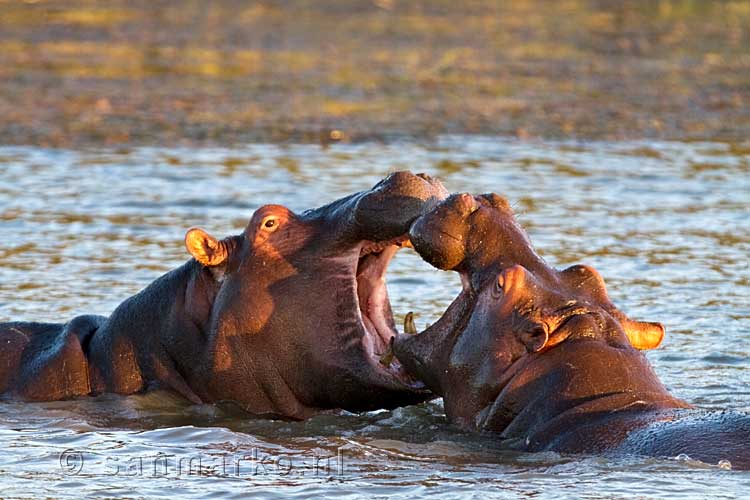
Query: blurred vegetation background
x=77, y=73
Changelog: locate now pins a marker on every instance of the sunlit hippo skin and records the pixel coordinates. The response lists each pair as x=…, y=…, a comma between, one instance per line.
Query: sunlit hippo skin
x=286, y=319
x=542, y=357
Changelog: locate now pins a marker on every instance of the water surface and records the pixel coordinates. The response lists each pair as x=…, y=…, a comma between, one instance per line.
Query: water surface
x=667, y=224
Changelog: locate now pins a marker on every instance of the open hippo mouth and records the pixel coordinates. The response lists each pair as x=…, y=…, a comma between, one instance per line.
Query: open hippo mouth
x=375, y=310
x=367, y=229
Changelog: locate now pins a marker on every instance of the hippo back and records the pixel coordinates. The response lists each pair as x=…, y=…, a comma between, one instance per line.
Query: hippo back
x=708, y=436
x=40, y=360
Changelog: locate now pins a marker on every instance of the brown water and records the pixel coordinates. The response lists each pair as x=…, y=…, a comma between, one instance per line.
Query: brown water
x=667, y=224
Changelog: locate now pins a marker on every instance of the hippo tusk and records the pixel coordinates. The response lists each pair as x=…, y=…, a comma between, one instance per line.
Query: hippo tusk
x=387, y=358
x=409, y=326
x=643, y=335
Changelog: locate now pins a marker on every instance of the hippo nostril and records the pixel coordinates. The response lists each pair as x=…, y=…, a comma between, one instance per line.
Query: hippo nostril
x=496, y=200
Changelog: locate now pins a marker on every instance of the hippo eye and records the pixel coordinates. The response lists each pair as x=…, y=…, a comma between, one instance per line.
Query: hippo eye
x=270, y=223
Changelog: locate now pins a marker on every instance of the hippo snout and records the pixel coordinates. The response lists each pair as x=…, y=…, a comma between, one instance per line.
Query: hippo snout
x=439, y=236
x=388, y=209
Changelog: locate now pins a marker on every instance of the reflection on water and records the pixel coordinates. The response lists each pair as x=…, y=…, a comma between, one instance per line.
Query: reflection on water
x=667, y=224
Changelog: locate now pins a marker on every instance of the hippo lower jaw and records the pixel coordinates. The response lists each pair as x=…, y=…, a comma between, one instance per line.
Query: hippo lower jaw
x=417, y=353
x=375, y=312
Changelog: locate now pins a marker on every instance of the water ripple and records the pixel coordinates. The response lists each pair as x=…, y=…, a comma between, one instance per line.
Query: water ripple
x=667, y=224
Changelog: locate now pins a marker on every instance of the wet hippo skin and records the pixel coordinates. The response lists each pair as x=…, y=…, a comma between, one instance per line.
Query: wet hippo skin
x=287, y=318
x=542, y=357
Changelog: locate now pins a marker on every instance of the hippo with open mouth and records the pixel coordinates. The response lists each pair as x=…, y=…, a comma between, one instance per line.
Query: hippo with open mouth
x=287, y=318
x=542, y=357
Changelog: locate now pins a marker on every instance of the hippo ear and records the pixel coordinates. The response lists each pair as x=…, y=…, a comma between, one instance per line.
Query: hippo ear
x=643, y=335
x=206, y=249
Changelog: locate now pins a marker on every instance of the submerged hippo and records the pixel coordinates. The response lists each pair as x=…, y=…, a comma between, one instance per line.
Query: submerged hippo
x=286, y=318
x=542, y=357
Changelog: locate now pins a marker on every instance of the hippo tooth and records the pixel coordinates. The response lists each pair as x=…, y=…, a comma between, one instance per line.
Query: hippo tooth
x=387, y=358
x=409, y=326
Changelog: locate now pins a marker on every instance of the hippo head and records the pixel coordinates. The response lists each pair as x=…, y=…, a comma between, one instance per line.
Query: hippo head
x=513, y=306
x=300, y=313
